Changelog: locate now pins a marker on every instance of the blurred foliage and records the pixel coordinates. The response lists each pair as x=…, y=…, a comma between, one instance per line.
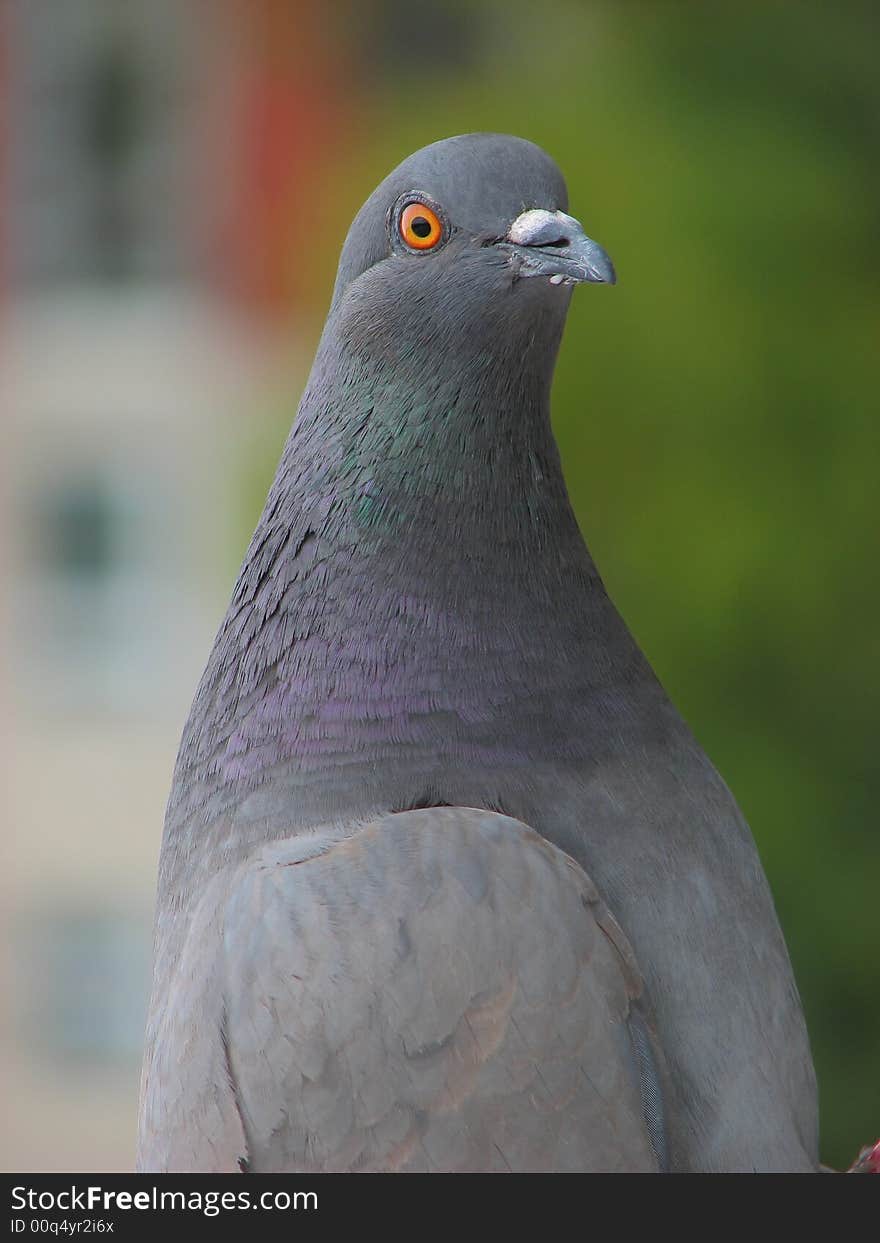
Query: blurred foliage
x=717, y=410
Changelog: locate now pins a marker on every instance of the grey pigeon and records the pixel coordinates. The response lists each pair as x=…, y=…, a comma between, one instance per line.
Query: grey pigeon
x=446, y=883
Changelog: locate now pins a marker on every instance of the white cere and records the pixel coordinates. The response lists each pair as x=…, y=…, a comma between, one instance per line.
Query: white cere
x=526, y=227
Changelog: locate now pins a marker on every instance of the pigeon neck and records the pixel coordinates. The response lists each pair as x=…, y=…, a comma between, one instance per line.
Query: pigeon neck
x=417, y=578
x=413, y=450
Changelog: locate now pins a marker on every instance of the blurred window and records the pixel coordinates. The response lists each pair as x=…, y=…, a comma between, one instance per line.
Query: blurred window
x=95, y=592
x=78, y=522
x=83, y=991
x=95, y=143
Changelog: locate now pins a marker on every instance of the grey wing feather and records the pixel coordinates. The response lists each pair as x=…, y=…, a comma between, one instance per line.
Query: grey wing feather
x=439, y=990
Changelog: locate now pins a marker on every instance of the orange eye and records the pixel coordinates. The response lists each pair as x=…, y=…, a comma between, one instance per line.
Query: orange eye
x=420, y=227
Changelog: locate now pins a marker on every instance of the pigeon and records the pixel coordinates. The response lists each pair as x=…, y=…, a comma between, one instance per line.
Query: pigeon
x=868, y=1160
x=446, y=882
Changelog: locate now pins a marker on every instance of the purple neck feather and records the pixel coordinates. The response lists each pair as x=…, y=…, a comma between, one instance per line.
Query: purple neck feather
x=416, y=595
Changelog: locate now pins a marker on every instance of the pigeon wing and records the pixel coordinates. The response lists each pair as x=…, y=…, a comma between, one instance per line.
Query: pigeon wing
x=438, y=990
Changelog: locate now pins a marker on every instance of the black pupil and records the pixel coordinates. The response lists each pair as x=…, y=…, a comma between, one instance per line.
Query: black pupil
x=420, y=226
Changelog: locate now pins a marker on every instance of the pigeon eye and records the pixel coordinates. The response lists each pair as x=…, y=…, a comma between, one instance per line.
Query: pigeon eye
x=420, y=226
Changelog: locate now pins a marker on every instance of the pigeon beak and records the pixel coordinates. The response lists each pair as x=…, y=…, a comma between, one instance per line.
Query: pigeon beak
x=553, y=244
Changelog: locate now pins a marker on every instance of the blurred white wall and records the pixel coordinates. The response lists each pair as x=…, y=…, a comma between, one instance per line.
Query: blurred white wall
x=126, y=382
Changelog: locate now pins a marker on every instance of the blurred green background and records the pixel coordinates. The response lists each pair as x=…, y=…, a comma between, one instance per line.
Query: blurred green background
x=717, y=411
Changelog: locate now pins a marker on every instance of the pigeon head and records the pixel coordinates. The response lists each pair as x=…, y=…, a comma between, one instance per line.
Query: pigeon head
x=468, y=240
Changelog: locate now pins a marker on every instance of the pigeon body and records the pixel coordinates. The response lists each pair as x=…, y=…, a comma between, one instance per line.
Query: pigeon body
x=446, y=882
